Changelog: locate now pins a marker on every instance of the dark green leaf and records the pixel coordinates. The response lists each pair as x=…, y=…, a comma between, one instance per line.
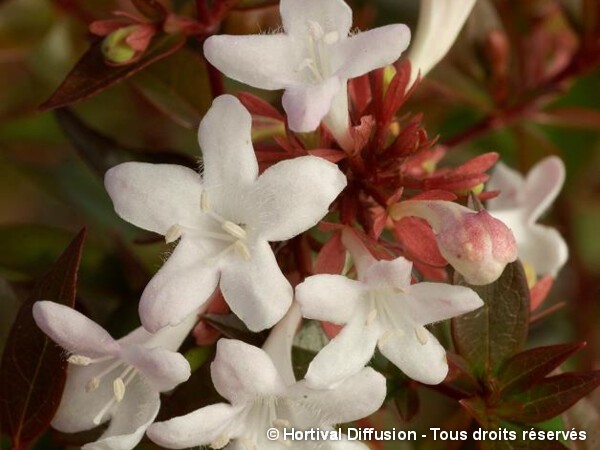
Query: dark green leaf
x=488, y=336
x=529, y=367
x=548, y=398
x=91, y=74
x=33, y=369
x=232, y=327
x=101, y=152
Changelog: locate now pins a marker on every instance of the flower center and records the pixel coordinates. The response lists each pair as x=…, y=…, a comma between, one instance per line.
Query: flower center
x=230, y=232
x=317, y=42
x=380, y=308
x=119, y=384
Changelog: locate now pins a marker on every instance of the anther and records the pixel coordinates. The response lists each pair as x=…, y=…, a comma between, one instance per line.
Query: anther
x=371, y=317
x=79, y=360
x=92, y=385
x=119, y=389
x=315, y=29
x=421, y=334
x=242, y=250
x=331, y=38
x=204, y=205
x=385, y=337
x=234, y=229
x=173, y=233
x=221, y=441
x=281, y=423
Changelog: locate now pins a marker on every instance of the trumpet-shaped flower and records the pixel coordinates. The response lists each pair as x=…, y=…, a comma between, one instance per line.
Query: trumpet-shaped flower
x=312, y=60
x=380, y=309
x=438, y=27
x=521, y=203
x=223, y=220
x=476, y=244
x=112, y=380
x=262, y=393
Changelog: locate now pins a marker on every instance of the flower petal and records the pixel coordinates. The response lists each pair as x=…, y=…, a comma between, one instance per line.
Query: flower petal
x=395, y=273
x=293, y=195
x=372, y=49
x=198, y=428
x=431, y=302
x=130, y=420
x=241, y=372
x=509, y=182
x=225, y=138
x=332, y=15
x=307, y=105
x=333, y=298
x=542, y=185
x=263, y=61
x=424, y=362
x=163, y=369
x=280, y=341
x=78, y=407
x=182, y=284
x=346, y=354
x=256, y=290
x=545, y=249
x=357, y=396
x=439, y=25
x=155, y=196
x=73, y=331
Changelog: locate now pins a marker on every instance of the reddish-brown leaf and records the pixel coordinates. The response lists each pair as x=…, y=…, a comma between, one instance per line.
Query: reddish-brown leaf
x=152, y=9
x=332, y=256
x=527, y=368
x=33, y=369
x=258, y=107
x=548, y=398
x=91, y=74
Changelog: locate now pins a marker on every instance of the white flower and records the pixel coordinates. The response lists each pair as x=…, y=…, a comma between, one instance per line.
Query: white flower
x=521, y=203
x=476, y=244
x=439, y=25
x=312, y=60
x=224, y=220
x=112, y=380
x=380, y=309
x=262, y=393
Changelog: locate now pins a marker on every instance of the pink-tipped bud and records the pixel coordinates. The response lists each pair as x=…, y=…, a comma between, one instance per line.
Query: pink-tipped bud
x=477, y=245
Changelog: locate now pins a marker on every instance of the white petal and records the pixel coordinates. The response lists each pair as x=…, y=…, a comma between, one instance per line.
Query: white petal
x=331, y=15
x=337, y=120
x=439, y=25
x=198, y=428
x=307, y=105
x=346, y=354
x=333, y=298
x=263, y=61
x=130, y=420
x=354, y=398
x=241, y=372
x=542, y=184
x=155, y=196
x=293, y=195
x=361, y=257
x=182, y=284
x=163, y=369
x=424, y=362
x=372, y=49
x=78, y=407
x=279, y=343
x=395, y=273
x=545, y=249
x=227, y=153
x=256, y=290
x=431, y=302
x=510, y=183
x=73, y=331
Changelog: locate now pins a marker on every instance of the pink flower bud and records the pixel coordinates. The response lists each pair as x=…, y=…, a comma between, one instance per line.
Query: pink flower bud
x=477, y=245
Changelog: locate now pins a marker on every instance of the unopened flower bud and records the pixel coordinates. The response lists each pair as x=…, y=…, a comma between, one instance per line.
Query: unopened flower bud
x=477, y=245
x=125, y=44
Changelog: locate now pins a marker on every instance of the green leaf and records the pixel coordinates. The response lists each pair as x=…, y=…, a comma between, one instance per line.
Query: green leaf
x=548, y=398
x=33, y=368
x=529, y=367
x=485, y=338
x=101, y=152
x=91, y=74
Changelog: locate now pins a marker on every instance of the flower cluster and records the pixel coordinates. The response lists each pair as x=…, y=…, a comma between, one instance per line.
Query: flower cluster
x=376, y=177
